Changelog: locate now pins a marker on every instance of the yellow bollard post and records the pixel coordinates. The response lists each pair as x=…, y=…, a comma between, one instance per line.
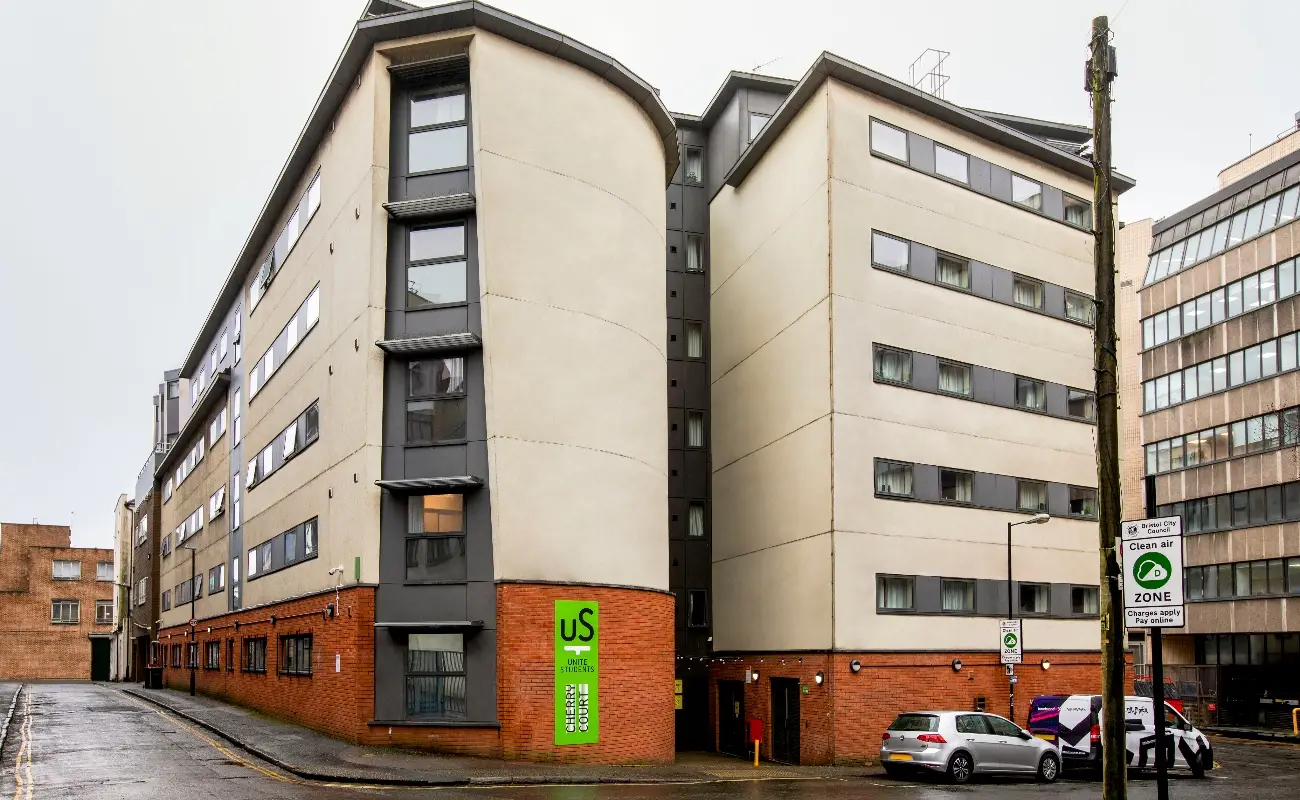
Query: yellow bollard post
x=756, y=752
x=1295, y=721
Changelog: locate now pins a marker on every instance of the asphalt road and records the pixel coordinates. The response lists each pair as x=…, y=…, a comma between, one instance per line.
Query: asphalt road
x=88, y=741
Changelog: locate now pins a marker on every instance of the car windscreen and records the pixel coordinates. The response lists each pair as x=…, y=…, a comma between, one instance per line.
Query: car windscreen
x=915, y=722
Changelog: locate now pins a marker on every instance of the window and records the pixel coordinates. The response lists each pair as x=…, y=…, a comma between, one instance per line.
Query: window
x=217, y=503
x=176, y=655
x=1026, y=192
x=291, y=334
x=757, y=122
x=435, y=542
x=957, y=595
x=104, y=571
x=217, y=427
x=212, y=655
x=142, y=591
x=103, y=612
x=694, y=429
x=953, y=271
x=436, y=405
x=954, y=378
x=1031, y=496
x=886, y=140
x=167, y=491
x=893, y=478
x=1034, y=598
x=694, y=253
x=1079, y=213
x=894, y=592
x=1083, y=502
x=217, y=579
x=67, y=570
x=951, y=164
x=65, y=612
x=435, y=675
x=1081, y=404
x=438, y=137
x=1027, y=292
x=173, y=390
x=230, y=655
x=693, y=165
x=955, y=485
x=1002, y=727
x=888, y=252
x=1031, y=394
x=255, y=654
x=893, y=366
x=695, y=520
x=695, y=340
x=167, y=600
x=697, y=608
x=252, y=562
x=1080, y=308
x=435, y=271
x=295, y=654
x=192, y=655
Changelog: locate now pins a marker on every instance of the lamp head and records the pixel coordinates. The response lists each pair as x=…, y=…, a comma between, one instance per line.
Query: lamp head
x=1039, y=518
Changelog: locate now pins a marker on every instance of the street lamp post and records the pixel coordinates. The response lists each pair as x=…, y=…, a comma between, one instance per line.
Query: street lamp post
x=1036, y=519
x=194, y=651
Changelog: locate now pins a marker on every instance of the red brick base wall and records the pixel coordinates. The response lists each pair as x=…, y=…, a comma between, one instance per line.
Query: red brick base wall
x=338, y=703
x=636, y=674
x=841, y=720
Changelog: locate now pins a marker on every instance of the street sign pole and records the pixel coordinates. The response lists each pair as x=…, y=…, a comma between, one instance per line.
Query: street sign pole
x=1158, y=673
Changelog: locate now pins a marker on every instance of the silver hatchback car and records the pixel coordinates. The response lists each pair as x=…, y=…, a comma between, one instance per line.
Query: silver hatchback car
x=961, y=744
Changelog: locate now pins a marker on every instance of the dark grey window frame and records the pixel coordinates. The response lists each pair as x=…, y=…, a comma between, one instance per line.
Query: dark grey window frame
x=1031, y=409
x=1042, y=193
x=254, y=655
x=411, y=129
x=880, y=594
x=293, y=644
x=416, y=536
x=948, y=178
x=694, y=596
x=1094, y=502
x=953, y=501
x=990, y=491
x=933, y=281
x=463, y=258
x=887, y=462
x=1066, y=197
x=309, y=436
x=1086, y=614
x=1020, y=607
x=1019, y=507
x=965, y=262
x=435, y=397
x=912, y=159
x=276, y=546
x=974, y=589
x=408, y=673
x=1042, y=291
x=210, y=647
x=686, y=179
x=970, y=374
x=876, y=350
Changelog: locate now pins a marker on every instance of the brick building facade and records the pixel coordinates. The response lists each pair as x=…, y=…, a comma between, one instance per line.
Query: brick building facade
x=53, y=627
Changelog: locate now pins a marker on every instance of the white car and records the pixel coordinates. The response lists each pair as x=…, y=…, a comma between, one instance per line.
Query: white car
x=961, y=744
x=1073, y=723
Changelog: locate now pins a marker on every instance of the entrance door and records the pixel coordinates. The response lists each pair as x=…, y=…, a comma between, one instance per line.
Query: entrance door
x=785, y=720
x=731, y=718
x=99, y=649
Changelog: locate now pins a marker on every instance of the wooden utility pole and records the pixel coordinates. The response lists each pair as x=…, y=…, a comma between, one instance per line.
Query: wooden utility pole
x=1101, y=71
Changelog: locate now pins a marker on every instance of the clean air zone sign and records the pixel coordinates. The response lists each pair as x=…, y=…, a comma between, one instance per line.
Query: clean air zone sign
x=1151, y=552
x=577, y=672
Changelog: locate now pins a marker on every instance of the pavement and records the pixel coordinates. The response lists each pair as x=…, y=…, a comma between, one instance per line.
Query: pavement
x=1264, y=734
x=96, y=741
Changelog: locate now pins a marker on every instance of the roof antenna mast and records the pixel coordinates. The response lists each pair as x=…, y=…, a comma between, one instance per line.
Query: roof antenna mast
x=926, y=72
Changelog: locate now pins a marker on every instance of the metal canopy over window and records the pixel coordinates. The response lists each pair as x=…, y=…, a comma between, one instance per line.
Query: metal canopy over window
x=456, y=484
x=436, y=625
x=427, y=345
x=430, y=207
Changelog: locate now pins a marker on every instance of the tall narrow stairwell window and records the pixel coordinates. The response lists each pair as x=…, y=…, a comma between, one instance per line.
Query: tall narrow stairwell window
x=439, y=137
x=436, y=405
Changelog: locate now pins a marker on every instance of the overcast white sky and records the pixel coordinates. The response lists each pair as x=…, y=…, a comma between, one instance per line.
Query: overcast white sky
x=139, y=139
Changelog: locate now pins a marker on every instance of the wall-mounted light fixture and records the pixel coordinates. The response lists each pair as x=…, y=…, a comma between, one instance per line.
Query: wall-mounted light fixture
x=819, y=677
x=1046, y=664
x=753, y=676
x=956, y=665
x=855, y=666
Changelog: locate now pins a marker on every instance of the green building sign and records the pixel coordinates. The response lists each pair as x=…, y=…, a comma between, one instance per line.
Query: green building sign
x=577, y=672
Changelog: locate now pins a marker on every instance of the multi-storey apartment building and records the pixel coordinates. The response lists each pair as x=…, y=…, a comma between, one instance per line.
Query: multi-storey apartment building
x=56, y=605
x=1221, y=405
x=511, y=348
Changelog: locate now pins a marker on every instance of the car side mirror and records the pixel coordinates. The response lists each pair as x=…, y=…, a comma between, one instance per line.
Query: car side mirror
x=1026, y=735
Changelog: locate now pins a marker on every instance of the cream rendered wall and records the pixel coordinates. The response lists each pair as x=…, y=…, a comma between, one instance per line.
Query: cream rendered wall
x=873, y=420
x=343, y=249
x=770, y=405
x=1132, y=246
x=571, y=240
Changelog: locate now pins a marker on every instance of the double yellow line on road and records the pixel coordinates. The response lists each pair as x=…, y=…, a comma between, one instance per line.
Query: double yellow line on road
x=23, y=764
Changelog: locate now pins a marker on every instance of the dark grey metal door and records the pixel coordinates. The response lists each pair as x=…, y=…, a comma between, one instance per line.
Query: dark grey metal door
x=785, y=720
x=731, y=718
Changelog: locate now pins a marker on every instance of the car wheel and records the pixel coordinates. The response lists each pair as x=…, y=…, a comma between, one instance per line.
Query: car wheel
x=893, y=770
x=1197, y=766
x=960, y=768
x=1049, y=769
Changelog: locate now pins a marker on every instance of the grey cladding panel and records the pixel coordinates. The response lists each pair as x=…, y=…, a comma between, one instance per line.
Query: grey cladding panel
x=674, y=206
x=676, y=251
x=1053, y=202
x=926, y=598
x=984, y=489
x=985, y=388
x=922, y=260
x=920, y=152
x=1000, y=182
x=1054, y=299
x=1005, y=389
x=990, y=597
x=925, y=372
x=695, y=210
x=1058, y=499
x=980, y=175
x=1057, y=400
x=925, y=482
x=1003, y=284
x=1005, y=492
x=981, y=279
x=1058, y=602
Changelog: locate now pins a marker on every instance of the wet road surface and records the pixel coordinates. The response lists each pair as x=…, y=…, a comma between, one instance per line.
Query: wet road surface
x=91, y=741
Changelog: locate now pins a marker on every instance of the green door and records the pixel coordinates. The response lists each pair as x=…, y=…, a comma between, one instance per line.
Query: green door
x=99, y=659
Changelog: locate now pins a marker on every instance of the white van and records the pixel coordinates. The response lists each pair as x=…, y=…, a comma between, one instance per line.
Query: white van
x=1073, y=722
